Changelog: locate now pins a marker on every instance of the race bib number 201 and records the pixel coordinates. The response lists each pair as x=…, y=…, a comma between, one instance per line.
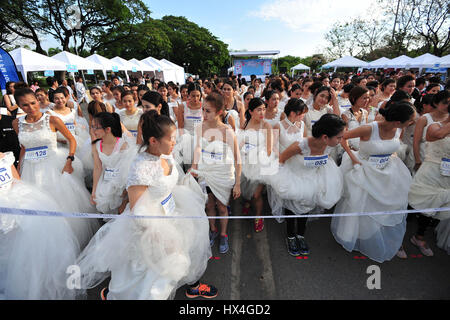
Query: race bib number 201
x=5, y=177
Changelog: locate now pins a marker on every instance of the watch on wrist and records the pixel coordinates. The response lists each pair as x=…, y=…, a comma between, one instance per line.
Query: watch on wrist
x=71, y=158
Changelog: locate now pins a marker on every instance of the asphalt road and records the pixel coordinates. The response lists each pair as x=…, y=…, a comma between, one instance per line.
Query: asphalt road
x=258, y=267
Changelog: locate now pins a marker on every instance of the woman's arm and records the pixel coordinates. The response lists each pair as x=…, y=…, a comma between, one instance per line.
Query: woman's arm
x=237, y=164
x=418, y=132
x=180, y=115
x=57, y=123
x=96, y=173
x=231, y=122
x=241, y=109
x=134, y=193
x=435, y=132
x=290, y=151
x=269, y=137
x=334, y=102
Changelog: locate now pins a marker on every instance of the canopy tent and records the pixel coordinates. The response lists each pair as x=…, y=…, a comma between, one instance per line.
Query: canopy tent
x=347, y=61
x=444, y=62
x=159, y=67
x=124, y=65
x=426, y=60
x=179, y=71
x=300, y=66
x=27, y=60
x=379, y=63
x=141, y=66
x=400, y=62
x=80, y=63
x=170, y=72
x=105, y=62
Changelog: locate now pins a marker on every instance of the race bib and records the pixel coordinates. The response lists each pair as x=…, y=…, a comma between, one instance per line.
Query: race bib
x=347, y=106
x=168, y=205
x=380, y=161
x=111, y=173
x=216, y=156
x=445, y=167
x=71, y=127
x=196, y=120
x=315, y=161
x=37, y=153
x=134, y=133
x=5, y=177
x=248, y=147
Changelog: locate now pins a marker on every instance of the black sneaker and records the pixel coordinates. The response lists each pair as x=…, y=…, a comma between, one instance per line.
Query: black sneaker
x=212, y=237
x=304, y=249
x=292, y=246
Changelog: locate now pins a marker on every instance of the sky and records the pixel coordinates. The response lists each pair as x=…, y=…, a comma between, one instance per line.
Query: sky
x=294, y=27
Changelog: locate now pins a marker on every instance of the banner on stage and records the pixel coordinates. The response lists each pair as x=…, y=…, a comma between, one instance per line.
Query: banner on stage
x=252, y=66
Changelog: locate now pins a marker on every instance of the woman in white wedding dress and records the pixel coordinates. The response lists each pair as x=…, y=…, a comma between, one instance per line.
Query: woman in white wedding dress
x=148, y=259
x=217, y=163
x=35, y=251
x=375, y=179
x=50, y=168
x=112, y=160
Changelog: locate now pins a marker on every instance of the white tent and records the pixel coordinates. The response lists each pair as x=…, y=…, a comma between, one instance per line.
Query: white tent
x=141, y=66
x=400, y=62
x=124, y=65
x=346, y=61
x=426, y=60
x=27, y=60
x=179, y=71
x=379, y=63
x=300, y=66
x=161, y=67
x=80, y=63
x=444, y=62
x=170, y=72
x=105, y=62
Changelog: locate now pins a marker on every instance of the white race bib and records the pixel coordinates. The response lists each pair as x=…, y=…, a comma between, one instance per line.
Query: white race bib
x=216, y=156
x=380, y=161
x=347, y=106
x=445, y=167
x=134, y=133
x=315, y=161
x=71, y=127
x=111, y=173
x=168, y=205
x=196, y=120
x=248, y=147
x=5, y=177
x=37, y=153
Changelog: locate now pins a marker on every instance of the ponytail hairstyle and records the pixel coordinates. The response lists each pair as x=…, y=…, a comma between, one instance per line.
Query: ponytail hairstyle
x=356, y=93
x=109, y=120
x=154, y=125
x=441, y=96
x=402, y=81
x=329, y=124
x=18, y=93
x=295, y=105
x=252, y=105
x=422, y=100
x=397, y=111
x=173, y=86
x=400, y=95
x=95, y=107
x=194, y=87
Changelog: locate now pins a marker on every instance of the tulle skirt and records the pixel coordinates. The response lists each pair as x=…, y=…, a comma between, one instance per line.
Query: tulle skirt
x=368, y=189
x=68, y=190
x=148, y=259
x=35, y=252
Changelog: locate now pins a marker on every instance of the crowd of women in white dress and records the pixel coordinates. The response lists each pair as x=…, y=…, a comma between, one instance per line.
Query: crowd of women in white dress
x=336, y=144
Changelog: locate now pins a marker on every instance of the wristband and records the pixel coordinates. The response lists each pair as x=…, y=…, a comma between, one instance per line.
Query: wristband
x=71, y=158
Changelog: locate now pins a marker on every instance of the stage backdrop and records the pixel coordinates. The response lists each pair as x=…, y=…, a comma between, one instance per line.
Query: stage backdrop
x=253, y=66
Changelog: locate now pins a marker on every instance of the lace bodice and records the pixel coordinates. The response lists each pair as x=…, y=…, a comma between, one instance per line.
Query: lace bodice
x=146, y=170
x=37, y=134
x=438, y=149
x=376, y=146
x=111, y=160
x=290, y=134
x=130, y=121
